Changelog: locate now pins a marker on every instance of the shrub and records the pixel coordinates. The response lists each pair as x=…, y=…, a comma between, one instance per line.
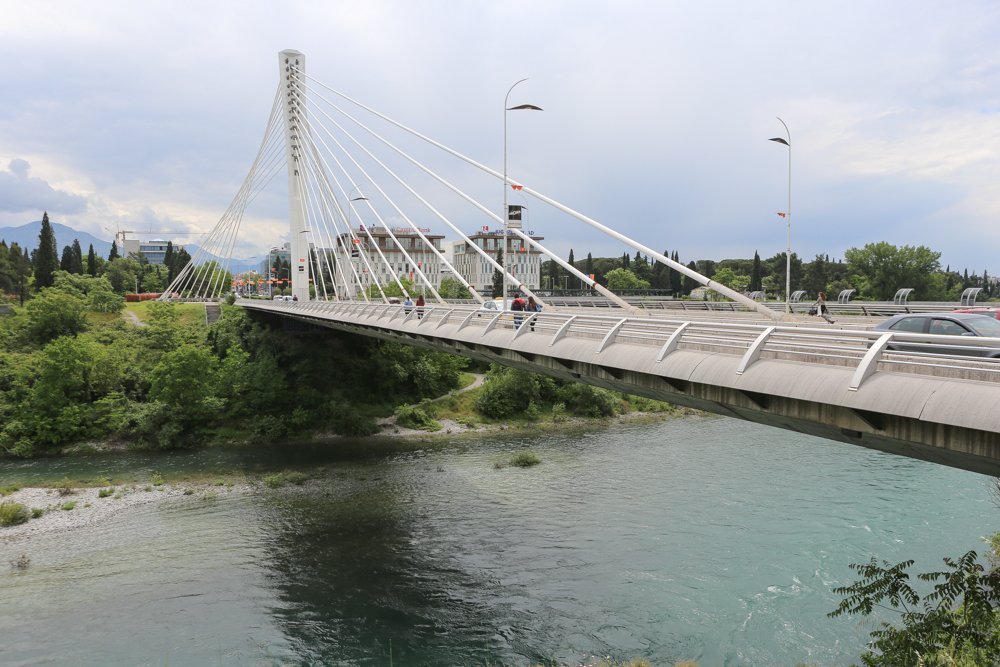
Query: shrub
x=409, y=416
x=587, y=401
x=278, y=480
x=65, y=487
x=510, y=392
x=7, y=490
x=37, y=512
x=68, y=505
x=346, y=420
x=12, y=514
x=104, y=493
x=296, y=478
x=525, y=459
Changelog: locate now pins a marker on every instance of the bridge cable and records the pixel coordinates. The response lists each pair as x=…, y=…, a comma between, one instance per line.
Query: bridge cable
x=677, y=266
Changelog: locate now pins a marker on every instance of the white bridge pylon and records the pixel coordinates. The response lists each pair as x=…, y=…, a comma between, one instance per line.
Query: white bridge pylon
x=352, y=188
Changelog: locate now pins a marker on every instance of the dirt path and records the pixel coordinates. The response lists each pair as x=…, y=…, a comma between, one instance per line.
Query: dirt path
x=134, y=319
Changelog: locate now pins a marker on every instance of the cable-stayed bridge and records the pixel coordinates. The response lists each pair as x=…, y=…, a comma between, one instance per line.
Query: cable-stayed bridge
x=360, y=206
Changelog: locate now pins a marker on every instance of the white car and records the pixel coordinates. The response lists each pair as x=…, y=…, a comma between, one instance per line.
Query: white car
x=494, y=306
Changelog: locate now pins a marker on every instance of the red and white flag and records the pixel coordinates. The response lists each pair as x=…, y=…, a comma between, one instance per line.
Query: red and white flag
x=515, y=186
x=782, y=215
x=486, y=228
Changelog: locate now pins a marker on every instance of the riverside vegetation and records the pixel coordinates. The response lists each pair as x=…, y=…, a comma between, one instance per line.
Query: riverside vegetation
x=75, y=375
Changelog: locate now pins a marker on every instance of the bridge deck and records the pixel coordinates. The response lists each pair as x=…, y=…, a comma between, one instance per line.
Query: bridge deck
x=839, y=383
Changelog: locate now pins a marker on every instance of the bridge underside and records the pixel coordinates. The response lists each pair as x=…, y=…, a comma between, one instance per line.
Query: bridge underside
x=861, y=421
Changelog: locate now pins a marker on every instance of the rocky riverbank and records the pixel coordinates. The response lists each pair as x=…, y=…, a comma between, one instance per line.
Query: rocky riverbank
x=59, y=509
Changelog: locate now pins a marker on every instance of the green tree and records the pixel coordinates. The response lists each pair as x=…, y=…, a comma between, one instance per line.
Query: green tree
x=21, y=264
x=181, y=259
x=185, y=379
x=623, y=279
x=66, y=262
x=46, y=256
x=498, y=281
x=676, y=277
x=774, y=282
x=391, y=289
x=113, y=255
x=755, y=276
x=452, y=288
x=6, y=270
x=122, y=273
x=168, y=261
x=76, y=262
x=573, y=281
x=688, y=283
x=882, y=268
x=55, y=313
x=956, y=624
x=91, y=261
x=731, y=279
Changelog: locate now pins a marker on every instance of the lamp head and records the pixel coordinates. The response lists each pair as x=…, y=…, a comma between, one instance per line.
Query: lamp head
x=780, y=141
x=524, y=106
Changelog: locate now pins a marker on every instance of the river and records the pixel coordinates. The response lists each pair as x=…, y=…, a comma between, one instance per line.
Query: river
x=700, y=538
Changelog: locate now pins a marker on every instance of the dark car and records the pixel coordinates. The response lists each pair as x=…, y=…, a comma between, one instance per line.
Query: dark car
x=945, y=324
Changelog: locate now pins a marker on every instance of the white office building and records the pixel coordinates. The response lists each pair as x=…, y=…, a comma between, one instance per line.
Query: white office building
x=523, y=261
x=420, y=257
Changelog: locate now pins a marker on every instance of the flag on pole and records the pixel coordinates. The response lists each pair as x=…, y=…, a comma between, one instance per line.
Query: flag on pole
x=486, y=228
x=782, y=215
x=516, y=186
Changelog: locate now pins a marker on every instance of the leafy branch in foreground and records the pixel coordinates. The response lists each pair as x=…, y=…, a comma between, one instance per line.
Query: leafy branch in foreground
x=957, y=624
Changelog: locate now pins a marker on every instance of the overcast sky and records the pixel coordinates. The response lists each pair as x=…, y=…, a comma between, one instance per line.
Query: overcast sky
x=146, y=115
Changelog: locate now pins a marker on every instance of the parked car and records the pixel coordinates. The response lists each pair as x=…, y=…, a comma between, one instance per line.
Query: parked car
x=992, y=312
x=494, y=306
x=945, y=324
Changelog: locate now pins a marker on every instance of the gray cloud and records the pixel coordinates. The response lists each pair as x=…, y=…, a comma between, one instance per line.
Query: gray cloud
x=656, y=120
x=20, y=192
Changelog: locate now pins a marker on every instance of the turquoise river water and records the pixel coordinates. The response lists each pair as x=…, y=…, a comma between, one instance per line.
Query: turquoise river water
x=701, y=538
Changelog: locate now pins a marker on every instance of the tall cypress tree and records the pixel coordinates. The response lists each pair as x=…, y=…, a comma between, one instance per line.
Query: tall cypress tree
x=114, y=251
x=77, y=257
x=168, y=261
x=20, y=264
x=66, y=263
x=46, y=256
x=498, y=277
x=755, y=277
x=689, y=283
x=676, y=284
x=91, y=261
x=572, y=263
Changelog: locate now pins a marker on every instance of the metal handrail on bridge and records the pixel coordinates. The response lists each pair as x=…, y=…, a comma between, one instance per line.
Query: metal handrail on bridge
x=865, y=351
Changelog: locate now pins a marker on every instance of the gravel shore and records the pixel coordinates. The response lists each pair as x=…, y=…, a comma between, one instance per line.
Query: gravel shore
x=89, y=508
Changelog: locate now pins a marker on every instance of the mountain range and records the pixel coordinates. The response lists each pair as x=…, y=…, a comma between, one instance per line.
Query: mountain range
x=26, y=236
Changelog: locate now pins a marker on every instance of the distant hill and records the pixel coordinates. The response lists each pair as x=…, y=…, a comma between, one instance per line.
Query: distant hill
x=26, y=236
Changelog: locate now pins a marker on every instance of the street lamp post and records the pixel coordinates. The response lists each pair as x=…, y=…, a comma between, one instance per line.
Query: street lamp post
x=506, y=210
x=788, y=218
